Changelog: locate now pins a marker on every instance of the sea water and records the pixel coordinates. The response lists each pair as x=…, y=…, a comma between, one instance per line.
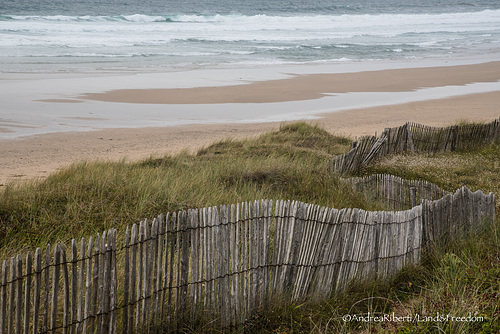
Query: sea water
x=147, y=35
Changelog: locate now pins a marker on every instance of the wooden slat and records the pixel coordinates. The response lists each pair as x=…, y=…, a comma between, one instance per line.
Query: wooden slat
x=252, y=259
x=224, y=266
x=192, y=223
x=106, y=280
x=204, y=269
x=78, y=286
x=12, y=277
x=177, y=267
x=37, y=290
x=171, y=266
x=145, y=276
x=126, y=283
x=234, y=266
x=153, y=273
x=27, y=292
x=66, y=302
x=88, y=286
x=266, y=258
x=151, y=270
x=238, y=256
x=244, y=284
x=46, y=276
x=74, y=286
x=95, y=285
x=113, y=295
x=3, y=298
x=19, y=293
x=276, y=246
x=165, y=266
x=55, y=287
x=102, y=283
x=140, y=271
x=132, y=279
x=159, y=269
x=184, y=264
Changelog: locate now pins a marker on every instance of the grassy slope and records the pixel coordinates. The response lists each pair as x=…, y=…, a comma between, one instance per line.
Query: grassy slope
x=88, y=197
x=477, y=169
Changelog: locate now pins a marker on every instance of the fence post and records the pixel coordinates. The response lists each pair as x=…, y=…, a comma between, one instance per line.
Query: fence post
x=413, y=197
x=410, y=139
x=454, y=138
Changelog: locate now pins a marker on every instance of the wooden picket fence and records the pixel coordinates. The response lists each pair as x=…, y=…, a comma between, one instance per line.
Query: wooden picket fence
x=218, y=266
x=395, y=192
x=454, y=214
x=413, y=137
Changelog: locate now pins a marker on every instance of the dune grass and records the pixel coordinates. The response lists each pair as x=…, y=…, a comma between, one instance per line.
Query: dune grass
x=478, y=169
x=91, y=196
x=460, y=279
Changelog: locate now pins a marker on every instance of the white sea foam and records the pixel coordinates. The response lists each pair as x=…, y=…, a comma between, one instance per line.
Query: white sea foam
x=272, y=38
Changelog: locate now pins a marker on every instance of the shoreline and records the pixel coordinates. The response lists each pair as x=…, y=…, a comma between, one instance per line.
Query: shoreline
x=35, y=104
x=302, y=87
x=58, y=133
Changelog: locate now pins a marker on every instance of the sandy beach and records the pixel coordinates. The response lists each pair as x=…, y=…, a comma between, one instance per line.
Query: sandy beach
x=37, y=156
x=310, y=86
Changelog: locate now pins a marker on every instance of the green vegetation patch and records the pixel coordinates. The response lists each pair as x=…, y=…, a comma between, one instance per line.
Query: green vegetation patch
x=478, y=169
x=459, y=280
x=91, y=196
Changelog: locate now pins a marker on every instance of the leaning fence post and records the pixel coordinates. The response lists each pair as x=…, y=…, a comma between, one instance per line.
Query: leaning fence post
x=413, y=197
x=454, y=138
x=410, y=139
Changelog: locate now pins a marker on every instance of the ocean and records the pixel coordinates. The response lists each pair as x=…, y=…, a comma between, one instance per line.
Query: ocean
x=171, y=35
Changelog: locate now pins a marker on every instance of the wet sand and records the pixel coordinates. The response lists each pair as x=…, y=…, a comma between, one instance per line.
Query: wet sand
x=309, y=86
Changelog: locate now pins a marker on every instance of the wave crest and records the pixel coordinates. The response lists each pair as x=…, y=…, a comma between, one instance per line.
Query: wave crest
x=263, y=18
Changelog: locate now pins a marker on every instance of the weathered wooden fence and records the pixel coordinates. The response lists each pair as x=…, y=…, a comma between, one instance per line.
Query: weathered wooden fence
x=413, y=137
x=395, y=192
x=454, y=214
x=219, y=265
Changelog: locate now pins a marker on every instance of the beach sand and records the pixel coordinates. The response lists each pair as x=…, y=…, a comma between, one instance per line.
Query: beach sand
x=37, y=156
x=310, y=86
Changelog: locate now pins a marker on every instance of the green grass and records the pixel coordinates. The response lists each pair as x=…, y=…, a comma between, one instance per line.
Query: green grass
x=291, y=163
x=89, y=197
x=478, y=169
